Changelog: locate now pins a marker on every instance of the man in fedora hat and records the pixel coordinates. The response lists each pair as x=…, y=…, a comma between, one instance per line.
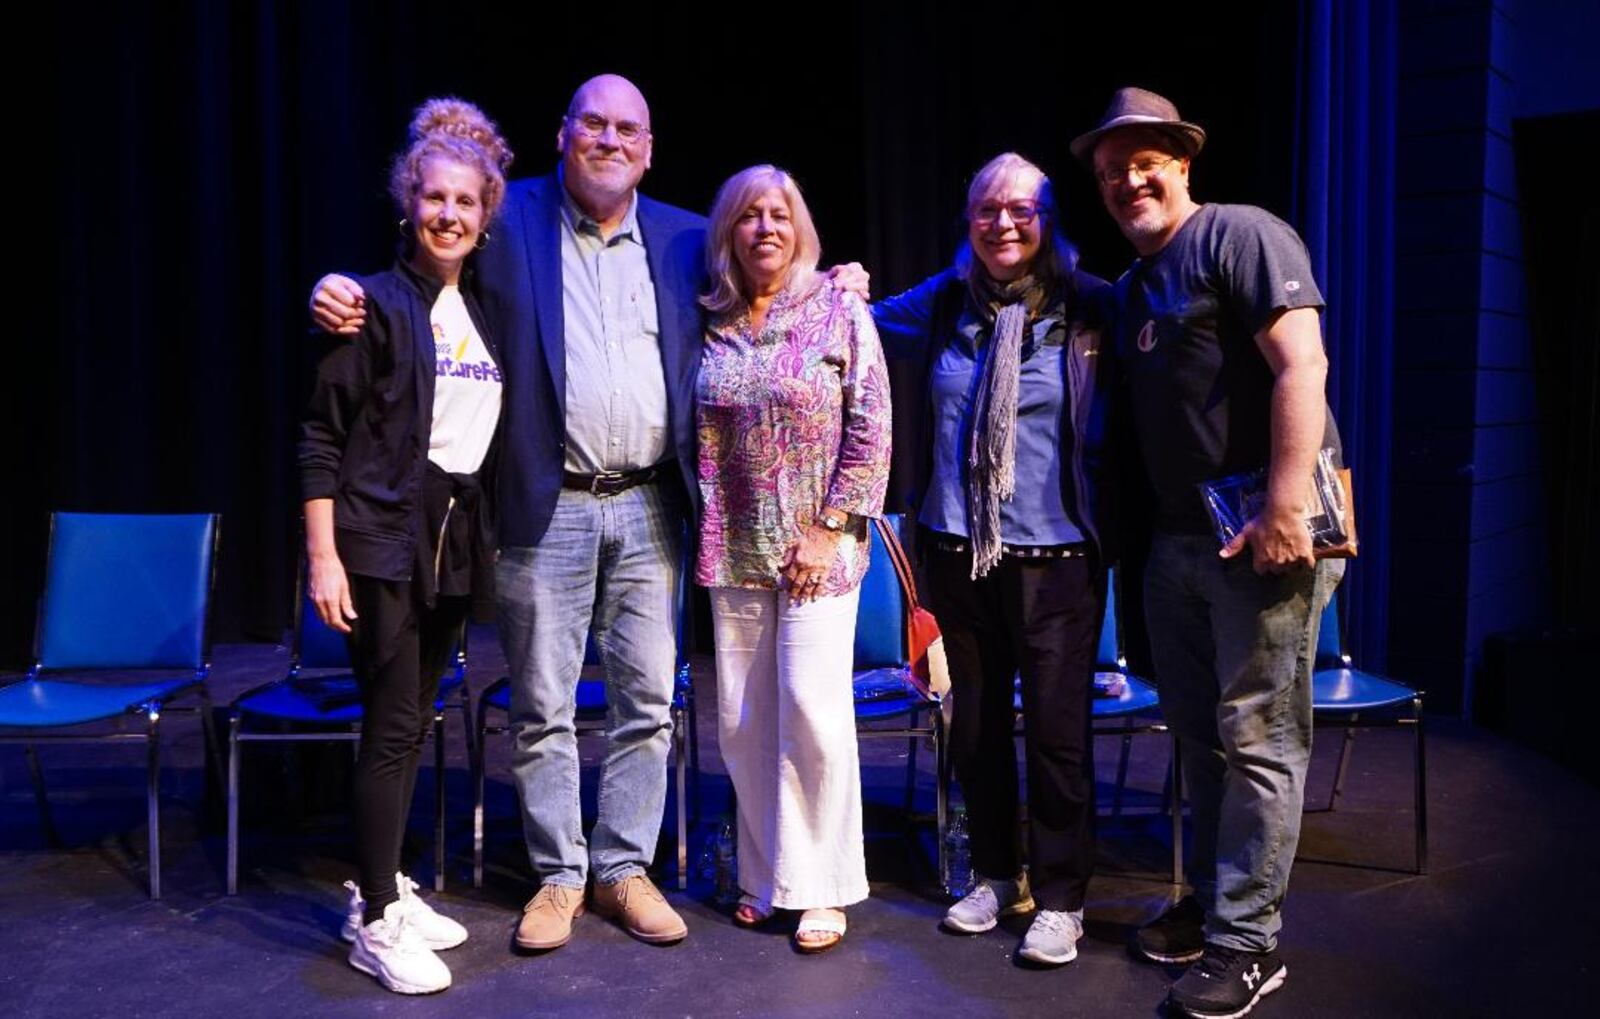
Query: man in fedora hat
x=1219, y=339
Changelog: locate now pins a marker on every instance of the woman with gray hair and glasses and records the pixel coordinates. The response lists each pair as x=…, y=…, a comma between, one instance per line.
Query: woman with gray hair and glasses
x=1007, y=442
x=792, y=406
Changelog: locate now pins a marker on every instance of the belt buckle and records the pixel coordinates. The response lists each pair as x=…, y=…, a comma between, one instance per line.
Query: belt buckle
x=607, y=483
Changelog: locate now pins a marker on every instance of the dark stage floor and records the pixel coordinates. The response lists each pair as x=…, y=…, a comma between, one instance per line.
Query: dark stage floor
x=1502, y=925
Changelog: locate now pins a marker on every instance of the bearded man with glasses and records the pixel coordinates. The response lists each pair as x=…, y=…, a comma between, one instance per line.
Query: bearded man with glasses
x=1219, y=339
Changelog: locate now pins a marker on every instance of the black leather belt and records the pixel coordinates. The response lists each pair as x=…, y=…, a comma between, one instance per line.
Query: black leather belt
x=613, y=482
x=952, y=543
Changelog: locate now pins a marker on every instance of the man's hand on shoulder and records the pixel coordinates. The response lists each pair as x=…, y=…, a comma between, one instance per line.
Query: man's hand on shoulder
x=852, y=278
x=338, y=305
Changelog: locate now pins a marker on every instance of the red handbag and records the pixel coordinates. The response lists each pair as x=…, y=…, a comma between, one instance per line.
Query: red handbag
x=930, y=671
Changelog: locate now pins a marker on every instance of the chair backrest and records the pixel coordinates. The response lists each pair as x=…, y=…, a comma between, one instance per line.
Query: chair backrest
x=1330, y=643
x=881, y=618
x=127, y=591
x=317, y=645
x=1108, y=657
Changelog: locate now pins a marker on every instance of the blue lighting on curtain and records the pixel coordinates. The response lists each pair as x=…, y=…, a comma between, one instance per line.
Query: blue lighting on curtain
x=1345, y=208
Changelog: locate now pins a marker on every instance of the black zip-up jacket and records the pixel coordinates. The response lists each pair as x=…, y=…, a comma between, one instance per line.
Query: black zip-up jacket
x=364, y=438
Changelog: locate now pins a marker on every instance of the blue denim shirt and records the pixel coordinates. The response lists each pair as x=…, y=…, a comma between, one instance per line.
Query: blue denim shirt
x=917, y=326
x=1037, y=513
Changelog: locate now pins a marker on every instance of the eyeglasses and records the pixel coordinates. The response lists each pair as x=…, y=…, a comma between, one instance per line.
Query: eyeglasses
x=1144, y=169
x=592, y=125
x=985, y=214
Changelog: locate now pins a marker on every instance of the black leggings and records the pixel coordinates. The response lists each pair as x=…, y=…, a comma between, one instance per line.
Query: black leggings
x=398, y=650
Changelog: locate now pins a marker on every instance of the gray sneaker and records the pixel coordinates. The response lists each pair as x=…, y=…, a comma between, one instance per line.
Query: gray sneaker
x=1053, y=938
x=983, y=907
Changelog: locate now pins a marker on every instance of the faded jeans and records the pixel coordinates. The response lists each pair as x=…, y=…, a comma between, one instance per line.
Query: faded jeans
x=1233, y=654
x=611, y=564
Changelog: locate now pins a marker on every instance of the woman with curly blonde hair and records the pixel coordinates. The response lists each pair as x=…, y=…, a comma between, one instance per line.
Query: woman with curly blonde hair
x=392, y=451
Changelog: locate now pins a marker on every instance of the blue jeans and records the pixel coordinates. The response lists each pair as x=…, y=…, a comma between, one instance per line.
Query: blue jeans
x=611, y=564
x=1233, y=654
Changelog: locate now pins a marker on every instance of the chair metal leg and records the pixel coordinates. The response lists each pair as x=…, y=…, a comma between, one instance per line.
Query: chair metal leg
x=1177, y=814
x=233, y=804
x=696, y=793
x=153, y=796
x=51, y=836
x=1122, y=776
x=477, y=794
x=1421, y=791
x=941, y=794
x=1344, y=763
x=911, y=769
x=681, y=765
x=438, y=801
x=213, y=751
x=466, y=720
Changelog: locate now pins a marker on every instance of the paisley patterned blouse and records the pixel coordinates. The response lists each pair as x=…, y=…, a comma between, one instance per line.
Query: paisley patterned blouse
x=790, y=421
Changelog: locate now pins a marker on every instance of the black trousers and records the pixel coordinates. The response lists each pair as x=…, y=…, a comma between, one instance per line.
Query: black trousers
x=1040, y=619
x=399, y=649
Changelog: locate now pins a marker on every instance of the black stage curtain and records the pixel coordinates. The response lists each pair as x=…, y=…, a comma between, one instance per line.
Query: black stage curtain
x=209, y=161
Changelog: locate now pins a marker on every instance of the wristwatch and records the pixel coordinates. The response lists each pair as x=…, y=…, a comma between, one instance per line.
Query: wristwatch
x=831, y=522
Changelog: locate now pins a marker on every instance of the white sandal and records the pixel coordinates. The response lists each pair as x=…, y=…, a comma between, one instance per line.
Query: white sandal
x=818, y=921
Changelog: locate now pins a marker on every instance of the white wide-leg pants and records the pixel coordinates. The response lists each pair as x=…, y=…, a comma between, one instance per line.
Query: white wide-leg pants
x=786, y=722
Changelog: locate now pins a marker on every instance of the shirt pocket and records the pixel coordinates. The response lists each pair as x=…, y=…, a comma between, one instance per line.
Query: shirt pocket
x=642, y=311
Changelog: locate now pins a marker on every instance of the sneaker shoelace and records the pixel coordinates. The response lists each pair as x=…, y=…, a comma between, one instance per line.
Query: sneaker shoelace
x=1217, y=961
x=983, y=897
x=398, y=934
x=1049, y=921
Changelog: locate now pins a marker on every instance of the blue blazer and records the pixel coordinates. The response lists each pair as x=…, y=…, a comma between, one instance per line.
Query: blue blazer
x=519, y=280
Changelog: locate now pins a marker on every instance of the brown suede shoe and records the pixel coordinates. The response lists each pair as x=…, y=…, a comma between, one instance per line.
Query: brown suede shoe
x=547, y=918
x=636, y=904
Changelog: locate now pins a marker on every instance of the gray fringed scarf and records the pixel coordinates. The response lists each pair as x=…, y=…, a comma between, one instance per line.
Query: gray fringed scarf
x=992, y=456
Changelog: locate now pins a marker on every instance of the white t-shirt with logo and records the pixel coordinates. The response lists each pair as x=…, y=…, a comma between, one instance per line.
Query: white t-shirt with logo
x=466, y=393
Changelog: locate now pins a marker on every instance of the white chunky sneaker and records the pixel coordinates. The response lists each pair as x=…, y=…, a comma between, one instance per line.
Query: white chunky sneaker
x=391, y=950
x=438, y=932
x=982, y=907
x=1052, y=940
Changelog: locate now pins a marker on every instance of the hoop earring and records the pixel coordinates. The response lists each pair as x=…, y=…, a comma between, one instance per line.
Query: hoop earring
x=404, y=227
x=482, y=241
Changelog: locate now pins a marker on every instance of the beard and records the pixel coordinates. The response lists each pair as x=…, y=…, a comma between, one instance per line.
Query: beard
x=1149, y=223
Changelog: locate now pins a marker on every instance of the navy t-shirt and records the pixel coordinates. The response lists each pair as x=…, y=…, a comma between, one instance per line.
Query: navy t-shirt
x=1185, y=337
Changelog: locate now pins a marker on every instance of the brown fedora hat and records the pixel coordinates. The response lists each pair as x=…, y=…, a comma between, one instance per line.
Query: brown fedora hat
x=1137, y=107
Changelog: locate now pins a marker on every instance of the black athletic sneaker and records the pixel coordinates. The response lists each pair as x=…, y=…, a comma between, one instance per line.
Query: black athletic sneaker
x=1178, y=935
x=1227, y=983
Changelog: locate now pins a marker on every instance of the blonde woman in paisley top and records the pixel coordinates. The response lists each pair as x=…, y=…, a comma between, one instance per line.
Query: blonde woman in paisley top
x=793, y=419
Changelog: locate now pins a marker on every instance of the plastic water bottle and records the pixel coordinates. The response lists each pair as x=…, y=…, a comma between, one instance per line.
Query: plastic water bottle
x=959, y=879
x=726, y=863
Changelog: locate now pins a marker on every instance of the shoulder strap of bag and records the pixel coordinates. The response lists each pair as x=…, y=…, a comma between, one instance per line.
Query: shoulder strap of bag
x=902, y=566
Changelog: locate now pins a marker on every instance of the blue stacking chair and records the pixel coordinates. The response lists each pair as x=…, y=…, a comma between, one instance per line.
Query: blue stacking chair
x=1350, y=698
x=590, y=717
x=1134, y=710
x=318, y=701
x=122, y=593
x=888, y=704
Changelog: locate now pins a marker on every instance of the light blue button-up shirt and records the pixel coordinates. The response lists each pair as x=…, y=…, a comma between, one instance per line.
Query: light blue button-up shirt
x=616, y=386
